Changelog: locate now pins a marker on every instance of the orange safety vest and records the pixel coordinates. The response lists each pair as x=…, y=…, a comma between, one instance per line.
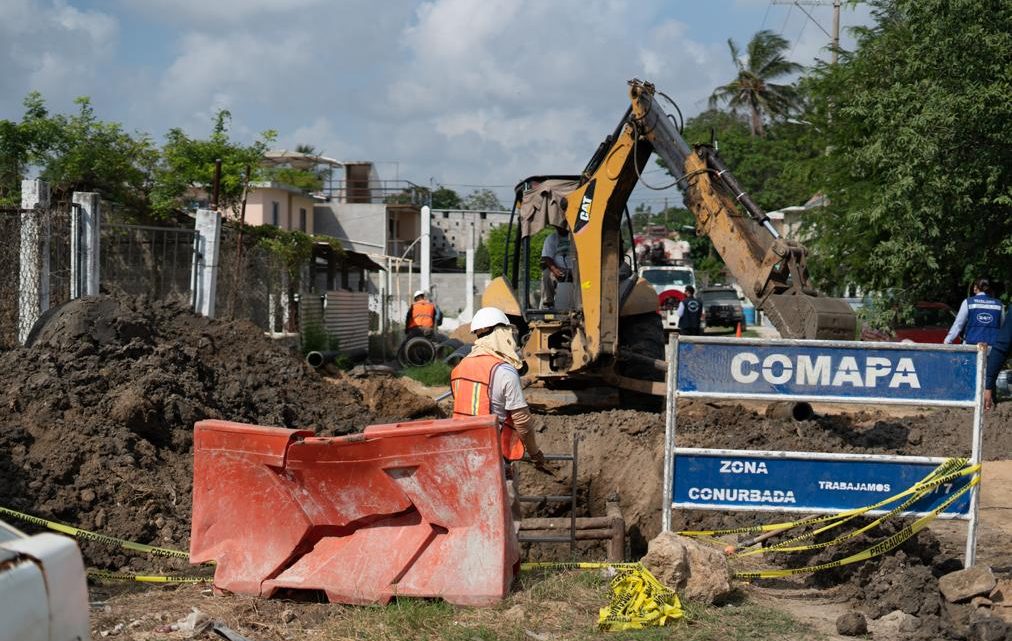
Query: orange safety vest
x=471, y=384
x=423, y=314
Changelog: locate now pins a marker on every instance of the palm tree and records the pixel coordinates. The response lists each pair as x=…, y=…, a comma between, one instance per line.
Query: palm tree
x=752, y=89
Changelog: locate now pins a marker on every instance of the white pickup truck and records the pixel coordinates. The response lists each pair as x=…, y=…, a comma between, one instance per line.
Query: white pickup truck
x=669, y=281
x=43, y=590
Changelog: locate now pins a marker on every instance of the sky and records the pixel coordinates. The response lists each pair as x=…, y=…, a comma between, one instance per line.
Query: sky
x=462, y=93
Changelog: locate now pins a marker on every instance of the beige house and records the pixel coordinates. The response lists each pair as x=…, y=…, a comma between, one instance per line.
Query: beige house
x=271, y=203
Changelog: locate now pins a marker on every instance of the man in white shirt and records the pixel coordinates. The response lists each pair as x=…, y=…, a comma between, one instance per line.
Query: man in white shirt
x=556, y=264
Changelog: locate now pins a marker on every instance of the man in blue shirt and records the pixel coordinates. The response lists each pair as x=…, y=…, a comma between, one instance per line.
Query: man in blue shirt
x=995, y=360
x=979, y=317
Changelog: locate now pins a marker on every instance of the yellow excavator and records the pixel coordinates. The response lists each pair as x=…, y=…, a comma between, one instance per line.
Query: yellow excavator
x=602, y=332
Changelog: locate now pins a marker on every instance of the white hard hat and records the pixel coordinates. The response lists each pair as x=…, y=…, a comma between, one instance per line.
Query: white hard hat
x=420, y=292
x=488, y=317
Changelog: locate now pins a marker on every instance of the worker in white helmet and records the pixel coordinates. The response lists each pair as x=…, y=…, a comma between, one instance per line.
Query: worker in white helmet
x=486, y=381
x=423, y=316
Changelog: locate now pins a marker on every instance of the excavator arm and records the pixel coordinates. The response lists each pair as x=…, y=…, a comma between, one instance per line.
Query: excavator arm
x=771, y=269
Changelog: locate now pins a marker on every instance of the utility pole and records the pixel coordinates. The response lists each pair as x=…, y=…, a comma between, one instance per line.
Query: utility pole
x=836, y=28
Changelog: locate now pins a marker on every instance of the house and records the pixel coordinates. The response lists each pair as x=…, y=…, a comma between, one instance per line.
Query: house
x=284, y=206
x=368, y=214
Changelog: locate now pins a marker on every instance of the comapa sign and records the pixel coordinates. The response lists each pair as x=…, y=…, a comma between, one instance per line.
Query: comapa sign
x=816, y=371
x=899, y=374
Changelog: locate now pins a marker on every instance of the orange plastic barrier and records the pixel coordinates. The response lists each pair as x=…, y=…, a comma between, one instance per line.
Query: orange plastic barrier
x=410, y=509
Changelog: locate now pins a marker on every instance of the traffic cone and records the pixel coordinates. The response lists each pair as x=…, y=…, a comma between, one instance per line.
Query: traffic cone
x=737, y=331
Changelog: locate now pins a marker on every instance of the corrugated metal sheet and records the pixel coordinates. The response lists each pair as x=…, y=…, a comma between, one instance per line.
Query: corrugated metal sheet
x=347, y=317
x=310, y=311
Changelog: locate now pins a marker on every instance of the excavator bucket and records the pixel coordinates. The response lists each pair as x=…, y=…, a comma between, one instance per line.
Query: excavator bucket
x=410, y=509
x=811, y=317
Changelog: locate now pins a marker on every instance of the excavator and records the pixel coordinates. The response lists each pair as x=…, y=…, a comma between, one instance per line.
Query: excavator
x=602, y=336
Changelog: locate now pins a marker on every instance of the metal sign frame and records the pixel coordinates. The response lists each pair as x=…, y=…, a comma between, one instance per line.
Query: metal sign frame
x=674, y=393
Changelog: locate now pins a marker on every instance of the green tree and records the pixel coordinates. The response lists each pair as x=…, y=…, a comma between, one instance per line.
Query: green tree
x=482, y=200
x=774, y=169
x=91, y=155
x=481, y=257
x=753, y=89
x=918, y=160
x=23, y=144
x=188, y=165
x=446, y=198
x=497, y=250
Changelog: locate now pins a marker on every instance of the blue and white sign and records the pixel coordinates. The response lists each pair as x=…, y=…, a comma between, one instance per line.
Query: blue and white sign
x=841, y=370
x=804, y=482
x=816, y=371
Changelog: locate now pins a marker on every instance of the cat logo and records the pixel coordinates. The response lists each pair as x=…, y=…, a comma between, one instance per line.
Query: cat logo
x=583, y=216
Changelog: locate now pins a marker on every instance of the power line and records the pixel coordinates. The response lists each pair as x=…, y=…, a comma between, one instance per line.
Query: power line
x=786, y=18
x=766, y=15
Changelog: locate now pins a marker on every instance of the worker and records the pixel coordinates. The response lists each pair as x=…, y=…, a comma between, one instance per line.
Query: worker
x=995, y=361
x=486, y=381
x=556, y=264
x=690, y=313
x=423, y=316
x=979, y=317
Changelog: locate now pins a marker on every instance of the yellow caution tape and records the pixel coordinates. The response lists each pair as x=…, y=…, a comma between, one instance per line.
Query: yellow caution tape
x=638, y=599
x=87, y=535
x=923, y=489
x=879, y=548
x=574, y=566
x=102, y=575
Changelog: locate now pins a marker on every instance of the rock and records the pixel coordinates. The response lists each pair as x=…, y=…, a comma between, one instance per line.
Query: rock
x=694, y=571
x=894, y=624
x=978, y=602
x=851, y=624
x=88, y=496
x=956, y=618
x=1002, y=592
x=963, y=585
x=988, y=629
x=914, y=437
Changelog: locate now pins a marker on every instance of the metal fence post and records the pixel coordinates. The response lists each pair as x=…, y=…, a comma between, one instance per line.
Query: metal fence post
x=33, y=275
x=205, y=261
x=85, y=244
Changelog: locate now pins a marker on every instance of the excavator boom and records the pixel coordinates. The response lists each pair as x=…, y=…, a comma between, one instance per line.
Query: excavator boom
x=771, y=269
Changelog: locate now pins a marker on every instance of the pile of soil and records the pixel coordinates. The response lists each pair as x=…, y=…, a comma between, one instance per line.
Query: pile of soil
x=97, y=419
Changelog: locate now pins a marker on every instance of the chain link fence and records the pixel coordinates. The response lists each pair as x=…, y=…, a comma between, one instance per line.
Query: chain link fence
x=157, y=262
x=29, y=236
x=252, y=283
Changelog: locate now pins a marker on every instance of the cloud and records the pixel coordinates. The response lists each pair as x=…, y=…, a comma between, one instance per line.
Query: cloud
x=219, y=13
x=53, y=48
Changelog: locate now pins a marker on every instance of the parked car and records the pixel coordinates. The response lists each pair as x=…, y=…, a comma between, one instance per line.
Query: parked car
x=930, y=324
x=669, y=282
x=721, y=307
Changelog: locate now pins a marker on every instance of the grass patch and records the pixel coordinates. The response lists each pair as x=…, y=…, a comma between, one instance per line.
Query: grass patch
x=434, y=374
x=556, y=606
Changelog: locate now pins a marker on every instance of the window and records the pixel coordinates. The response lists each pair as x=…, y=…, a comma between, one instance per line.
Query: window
x=302, y=219
x=483, y=215
x=446, y=214
x=275, y=213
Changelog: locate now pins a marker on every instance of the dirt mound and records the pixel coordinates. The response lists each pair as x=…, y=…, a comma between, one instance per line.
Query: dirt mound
x=96, y=427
